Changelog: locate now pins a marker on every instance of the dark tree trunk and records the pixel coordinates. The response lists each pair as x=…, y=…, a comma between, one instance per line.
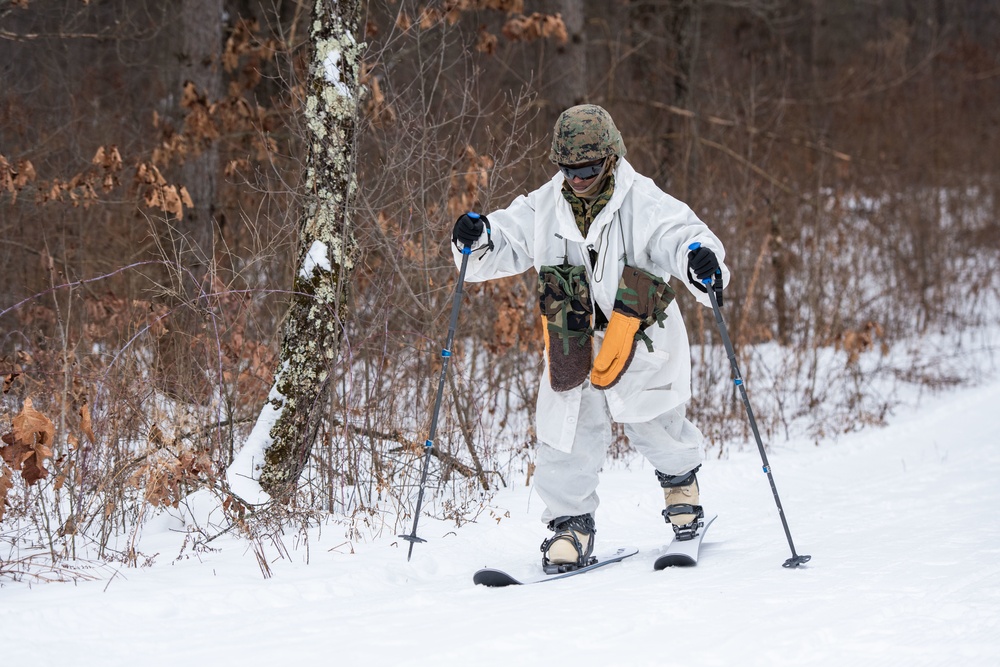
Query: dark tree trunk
x=200, y=49
x=567, y=80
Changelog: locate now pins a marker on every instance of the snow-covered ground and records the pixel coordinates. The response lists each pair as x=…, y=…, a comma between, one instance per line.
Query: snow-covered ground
x=902, y=524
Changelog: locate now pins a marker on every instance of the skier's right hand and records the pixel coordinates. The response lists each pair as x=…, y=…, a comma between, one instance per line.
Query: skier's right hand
x=468, y=228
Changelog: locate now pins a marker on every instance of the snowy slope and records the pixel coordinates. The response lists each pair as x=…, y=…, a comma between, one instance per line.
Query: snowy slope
x=901, y=523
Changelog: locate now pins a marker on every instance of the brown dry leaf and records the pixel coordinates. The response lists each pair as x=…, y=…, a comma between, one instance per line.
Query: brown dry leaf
x=110, y=161
x=233, y=167
x=32, y=427
x=536, y=26
x=163, y=487
x=6, y=175
x=25, y=174
x=172, y=201
x=855, y=343
x=245, y=41
x=190, y=95
x=152, y=198
x=156, y=437
x=14, y=179
x=61, y=477
x=202, y=464
x=168, y=199
x=429, y=17
x=6, y=482
x=185, y=461
x=85, y=424
x=29, y=443
x=156, y=318
x=486, y=42
x=9, y=381
x=148, y=174
x=230, y=54
x=55, y=192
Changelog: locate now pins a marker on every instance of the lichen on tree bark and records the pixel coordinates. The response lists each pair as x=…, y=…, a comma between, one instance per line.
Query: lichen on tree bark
x=311, y=338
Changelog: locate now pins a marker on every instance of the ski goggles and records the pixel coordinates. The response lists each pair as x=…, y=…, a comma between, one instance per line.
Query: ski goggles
x=582, y=171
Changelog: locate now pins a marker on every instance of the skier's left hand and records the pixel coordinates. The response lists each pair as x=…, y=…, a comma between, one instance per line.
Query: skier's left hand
x=703, y=264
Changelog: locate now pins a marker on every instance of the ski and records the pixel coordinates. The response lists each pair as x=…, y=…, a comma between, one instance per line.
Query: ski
x=684, y=553
x=494, y=578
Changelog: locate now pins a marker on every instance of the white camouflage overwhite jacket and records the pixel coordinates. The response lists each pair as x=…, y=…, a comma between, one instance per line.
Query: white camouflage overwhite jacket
x=641, y=222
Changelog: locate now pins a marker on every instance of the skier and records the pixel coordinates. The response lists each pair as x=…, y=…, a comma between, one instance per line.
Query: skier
x=605, y=240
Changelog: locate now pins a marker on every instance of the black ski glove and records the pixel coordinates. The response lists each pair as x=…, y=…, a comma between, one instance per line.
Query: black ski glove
x=468, y=228
x=703, y=264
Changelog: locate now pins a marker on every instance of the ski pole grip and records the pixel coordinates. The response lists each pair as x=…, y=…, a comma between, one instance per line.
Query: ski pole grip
x=467, y=250
x=694, y=246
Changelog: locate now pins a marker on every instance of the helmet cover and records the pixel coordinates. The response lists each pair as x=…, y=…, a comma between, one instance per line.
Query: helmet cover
x=583, y=134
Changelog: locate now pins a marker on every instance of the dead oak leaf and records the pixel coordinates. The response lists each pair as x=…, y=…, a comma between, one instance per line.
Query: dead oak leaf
x=85, y=423
x=29, y=443
x=6, y=482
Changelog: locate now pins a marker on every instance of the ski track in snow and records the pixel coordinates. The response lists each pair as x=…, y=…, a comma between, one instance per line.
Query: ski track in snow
x=901, y=523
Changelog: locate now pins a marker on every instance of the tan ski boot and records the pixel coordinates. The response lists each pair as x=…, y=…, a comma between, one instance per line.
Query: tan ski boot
x=680, y=492
x=571, y=546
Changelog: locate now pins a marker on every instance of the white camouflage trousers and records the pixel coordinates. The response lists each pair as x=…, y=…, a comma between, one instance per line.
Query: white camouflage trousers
x=567, y=482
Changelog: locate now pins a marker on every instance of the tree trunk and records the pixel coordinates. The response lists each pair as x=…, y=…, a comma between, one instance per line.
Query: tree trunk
x=278, y=448
x=200, y=50
x=190, y=241
x=567, y=80
x=680, y=148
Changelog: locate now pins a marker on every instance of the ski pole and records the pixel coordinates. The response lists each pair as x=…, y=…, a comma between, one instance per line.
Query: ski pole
x=446, y=357
x=796, y=559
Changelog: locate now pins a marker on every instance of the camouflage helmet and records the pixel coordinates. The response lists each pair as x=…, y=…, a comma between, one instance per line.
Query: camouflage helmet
x=583, y=134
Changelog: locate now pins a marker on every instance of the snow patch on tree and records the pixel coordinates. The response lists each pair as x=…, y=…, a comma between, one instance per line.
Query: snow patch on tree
x=331, y=66
x=243, y=473
x=318, y=256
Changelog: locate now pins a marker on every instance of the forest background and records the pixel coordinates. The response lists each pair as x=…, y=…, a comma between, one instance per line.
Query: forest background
x=152, y=170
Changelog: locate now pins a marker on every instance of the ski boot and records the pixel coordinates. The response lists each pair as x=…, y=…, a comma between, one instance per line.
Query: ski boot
x=683, y=512
x=571, y=546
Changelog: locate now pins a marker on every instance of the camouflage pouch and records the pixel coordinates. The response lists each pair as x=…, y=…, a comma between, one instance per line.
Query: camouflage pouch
x=565, y=301
x=642, y=300
x=645, y=297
